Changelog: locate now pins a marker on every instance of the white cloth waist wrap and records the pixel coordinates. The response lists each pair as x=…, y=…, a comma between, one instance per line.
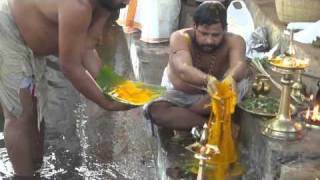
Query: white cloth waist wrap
x=18, y=65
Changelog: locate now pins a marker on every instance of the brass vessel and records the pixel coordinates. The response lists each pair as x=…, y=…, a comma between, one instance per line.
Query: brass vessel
x=298, y=93
x=261, y=85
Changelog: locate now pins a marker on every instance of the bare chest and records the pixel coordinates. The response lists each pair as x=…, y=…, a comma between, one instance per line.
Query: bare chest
x=40, y=30
x=215, y=64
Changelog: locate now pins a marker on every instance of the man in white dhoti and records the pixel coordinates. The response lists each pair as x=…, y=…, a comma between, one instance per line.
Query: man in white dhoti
x=199, y=56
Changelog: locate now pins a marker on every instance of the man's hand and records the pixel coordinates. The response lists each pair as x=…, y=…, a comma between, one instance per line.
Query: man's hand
x=117, y=106
x=233, y=83
x=211, y=84
x=212, y=87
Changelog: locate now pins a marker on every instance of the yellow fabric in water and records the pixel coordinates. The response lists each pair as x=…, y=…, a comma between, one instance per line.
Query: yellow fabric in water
x=223, y=104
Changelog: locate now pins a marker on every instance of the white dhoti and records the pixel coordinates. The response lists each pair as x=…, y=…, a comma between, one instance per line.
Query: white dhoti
x=19, y=67
x=182, y=99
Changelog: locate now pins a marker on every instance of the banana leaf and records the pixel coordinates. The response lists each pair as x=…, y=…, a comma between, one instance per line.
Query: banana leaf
x=107, y=78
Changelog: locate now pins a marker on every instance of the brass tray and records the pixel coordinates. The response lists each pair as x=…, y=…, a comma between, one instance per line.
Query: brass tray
x=195, y=148
x=267, y=113
x=157, y=90
x=300, y=64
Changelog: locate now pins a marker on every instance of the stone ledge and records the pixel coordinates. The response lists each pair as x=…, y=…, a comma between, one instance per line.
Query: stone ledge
x=267, y=158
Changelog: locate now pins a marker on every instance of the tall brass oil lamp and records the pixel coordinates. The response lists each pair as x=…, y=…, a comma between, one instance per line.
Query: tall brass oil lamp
x=204, y=152
x=282, y=127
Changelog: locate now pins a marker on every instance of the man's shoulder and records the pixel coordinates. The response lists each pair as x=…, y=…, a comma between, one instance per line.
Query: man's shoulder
x=181, y=32
x=234, y=40
x=79, y=5
x=181, y=36
x=234, y=37
x=85, y=3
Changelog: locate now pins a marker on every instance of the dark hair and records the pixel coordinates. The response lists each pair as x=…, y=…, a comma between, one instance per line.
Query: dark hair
x=210, y=12
x=110, y=5
x=105, y=3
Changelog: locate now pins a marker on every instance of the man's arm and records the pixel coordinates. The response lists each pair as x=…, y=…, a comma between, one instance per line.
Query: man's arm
x=238, y=64
x=181, y=61
x=74, y=20
x=92, y=62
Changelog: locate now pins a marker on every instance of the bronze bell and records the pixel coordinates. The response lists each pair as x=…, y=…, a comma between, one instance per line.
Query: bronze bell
x=298, y=92
x=261, y=85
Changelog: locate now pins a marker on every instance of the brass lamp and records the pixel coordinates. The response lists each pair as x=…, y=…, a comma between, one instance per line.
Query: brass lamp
x=282, y=127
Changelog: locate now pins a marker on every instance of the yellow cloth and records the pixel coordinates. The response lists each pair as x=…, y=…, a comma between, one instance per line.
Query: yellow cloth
x=223, y=104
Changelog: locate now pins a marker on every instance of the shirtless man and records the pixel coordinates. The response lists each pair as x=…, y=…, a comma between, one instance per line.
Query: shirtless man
x=198, y=57
x=29, y=31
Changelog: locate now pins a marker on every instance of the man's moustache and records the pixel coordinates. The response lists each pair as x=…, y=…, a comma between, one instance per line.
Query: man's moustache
x=209, y=46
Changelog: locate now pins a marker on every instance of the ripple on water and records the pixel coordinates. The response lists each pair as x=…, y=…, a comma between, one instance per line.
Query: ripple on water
x=6, y=169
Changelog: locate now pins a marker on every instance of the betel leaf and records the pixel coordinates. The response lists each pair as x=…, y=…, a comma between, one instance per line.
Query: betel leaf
x=107, y=78
x=261, y=105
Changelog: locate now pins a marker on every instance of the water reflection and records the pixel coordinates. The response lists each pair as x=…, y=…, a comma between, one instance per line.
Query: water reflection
x=5, y=166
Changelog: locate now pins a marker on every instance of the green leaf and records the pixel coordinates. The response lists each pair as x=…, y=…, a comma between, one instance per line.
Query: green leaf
x=107, y=78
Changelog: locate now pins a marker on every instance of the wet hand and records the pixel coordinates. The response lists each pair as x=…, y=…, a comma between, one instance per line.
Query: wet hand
x=232, y=82
x=123, y=107
x=117, y=106
x=211, y=85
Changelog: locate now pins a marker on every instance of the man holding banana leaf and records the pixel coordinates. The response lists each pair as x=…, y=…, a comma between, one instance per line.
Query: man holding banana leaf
x=30, y=30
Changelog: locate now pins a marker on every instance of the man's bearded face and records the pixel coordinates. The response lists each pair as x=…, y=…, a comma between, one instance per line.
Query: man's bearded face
x=114, y=4
x=209, y=37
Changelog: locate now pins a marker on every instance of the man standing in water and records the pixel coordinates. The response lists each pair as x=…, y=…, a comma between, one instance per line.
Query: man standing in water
x=29, y=31
x=198, y=57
